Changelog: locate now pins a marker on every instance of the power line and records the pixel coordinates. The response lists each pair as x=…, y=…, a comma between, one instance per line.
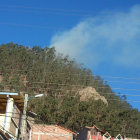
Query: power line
x=127, y=78
x=86, y=75
x=78, y=90
x=47, y=12
x=33, y=26
x=119, y=94
x=120, y=88
x=122, y=82
x=73, y=86
x=138, y=101
x=65, y=12
x=94, y=80
x=13, y=117
x=56, y=9
x=104, y=94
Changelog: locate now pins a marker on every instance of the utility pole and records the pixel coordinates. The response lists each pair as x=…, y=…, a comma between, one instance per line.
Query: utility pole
x=24, y=117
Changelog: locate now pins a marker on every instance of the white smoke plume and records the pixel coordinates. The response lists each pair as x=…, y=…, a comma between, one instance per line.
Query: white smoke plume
x=111, y=39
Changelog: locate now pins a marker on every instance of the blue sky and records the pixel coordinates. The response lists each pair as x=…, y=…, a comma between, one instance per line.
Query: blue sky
x=103, y=35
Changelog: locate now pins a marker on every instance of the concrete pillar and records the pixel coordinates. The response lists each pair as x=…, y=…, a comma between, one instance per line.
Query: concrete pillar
x=8, y=113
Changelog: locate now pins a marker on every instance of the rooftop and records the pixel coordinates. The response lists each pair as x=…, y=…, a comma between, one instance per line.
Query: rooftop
x=19, y=101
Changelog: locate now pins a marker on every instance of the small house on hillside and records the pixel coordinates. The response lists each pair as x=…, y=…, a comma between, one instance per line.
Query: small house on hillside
x=51, y=132
x=90, y=133
x=118, y=137
x=106, y=136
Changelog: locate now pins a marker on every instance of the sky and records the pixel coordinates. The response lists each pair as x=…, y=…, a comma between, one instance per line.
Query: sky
x=103, y=35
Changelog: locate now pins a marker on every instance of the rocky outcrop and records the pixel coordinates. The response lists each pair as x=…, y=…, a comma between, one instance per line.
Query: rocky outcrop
x=89, y=92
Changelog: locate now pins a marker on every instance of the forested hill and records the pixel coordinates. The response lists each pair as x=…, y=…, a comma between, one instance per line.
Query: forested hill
x=36, y=70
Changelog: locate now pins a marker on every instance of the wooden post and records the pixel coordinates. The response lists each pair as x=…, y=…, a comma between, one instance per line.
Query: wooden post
x=24, y=117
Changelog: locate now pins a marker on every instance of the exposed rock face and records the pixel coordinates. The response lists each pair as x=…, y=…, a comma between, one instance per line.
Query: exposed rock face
x=89, y=92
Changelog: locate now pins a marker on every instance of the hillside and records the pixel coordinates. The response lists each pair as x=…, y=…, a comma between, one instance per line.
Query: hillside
x=36, y=70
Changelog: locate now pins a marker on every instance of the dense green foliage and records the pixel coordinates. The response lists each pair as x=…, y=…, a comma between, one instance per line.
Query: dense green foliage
x=36, y=70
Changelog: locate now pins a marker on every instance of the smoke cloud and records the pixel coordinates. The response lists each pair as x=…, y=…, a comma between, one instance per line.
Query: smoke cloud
x=96, y=40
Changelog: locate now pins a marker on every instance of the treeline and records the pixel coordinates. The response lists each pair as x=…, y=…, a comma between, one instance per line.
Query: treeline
x=40, y=70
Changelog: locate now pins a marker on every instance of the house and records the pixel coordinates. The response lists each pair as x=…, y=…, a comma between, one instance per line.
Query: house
x=90, y=133
x=51, y=132
x=107, y=136
x=11, y=112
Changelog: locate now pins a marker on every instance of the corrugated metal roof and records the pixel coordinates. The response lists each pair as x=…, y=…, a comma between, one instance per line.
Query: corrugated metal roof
x=18, y=100
x=50, y=128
